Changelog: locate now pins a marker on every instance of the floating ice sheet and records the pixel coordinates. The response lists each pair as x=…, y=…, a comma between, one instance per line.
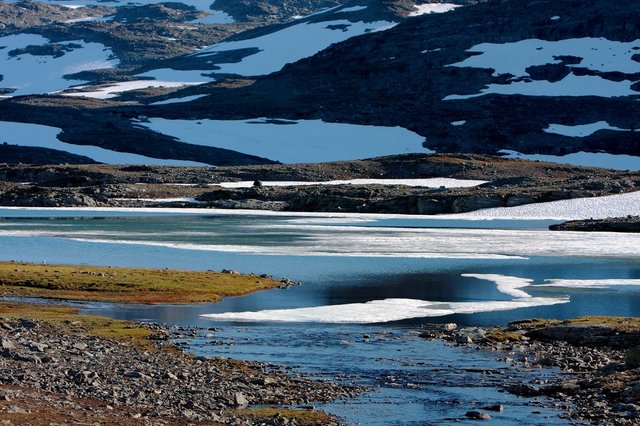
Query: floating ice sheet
x=379, y=311
x=508, y=285
x=596, y=283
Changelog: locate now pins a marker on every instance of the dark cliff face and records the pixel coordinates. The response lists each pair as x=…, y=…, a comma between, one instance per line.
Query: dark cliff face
x=403, y=75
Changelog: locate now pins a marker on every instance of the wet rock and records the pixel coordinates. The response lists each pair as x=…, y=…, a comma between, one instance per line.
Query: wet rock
x=477, y=415
x=494, y=407
x=523, y=389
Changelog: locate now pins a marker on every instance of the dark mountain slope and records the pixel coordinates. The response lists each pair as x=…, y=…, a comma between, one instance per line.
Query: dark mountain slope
x=401, y=77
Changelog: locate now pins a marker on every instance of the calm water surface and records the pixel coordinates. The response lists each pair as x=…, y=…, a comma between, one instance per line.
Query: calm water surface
x=346, y=261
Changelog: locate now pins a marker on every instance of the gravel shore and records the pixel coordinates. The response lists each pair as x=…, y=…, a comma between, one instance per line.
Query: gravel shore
x=599, y=360
x=106, y=380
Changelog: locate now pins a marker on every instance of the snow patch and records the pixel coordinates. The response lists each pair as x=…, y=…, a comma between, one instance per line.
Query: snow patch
x=424, y=9
x=597, y=54
x=178, y=100
x=115, y=89
x=36, y=135
x=618, y=205
x=582, y=130
x=586, y=159
x=30, y=74
x=423, y=183
x=301, y=141
x=288, y=45
x=353, y=9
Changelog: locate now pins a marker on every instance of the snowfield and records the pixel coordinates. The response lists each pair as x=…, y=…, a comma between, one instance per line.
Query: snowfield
x=36, y=135
x=289, y=45
x=596, y=54
x=30, y=74
x=304, y=141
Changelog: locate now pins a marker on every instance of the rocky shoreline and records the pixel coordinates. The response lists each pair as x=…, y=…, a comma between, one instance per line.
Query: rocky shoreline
x=108, y=381
x=509, y=183
x=598, y=357
x=70, y=369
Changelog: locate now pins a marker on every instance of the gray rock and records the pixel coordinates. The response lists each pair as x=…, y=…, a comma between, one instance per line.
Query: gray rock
x=494, y=407
x=80, y=346
x=450, y=326
x=477, y=415
x=7, y=344
x=239, y=400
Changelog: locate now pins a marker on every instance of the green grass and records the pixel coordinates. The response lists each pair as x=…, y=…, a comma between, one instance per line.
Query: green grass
x=132, y=285
x=622, y=324
x=73, y=323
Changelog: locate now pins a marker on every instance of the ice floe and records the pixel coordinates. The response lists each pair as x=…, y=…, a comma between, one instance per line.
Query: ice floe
x=506, y=284
x=31, y=74
x=288, y=45
x=379, y=311
x=594, y=283
x=596, y=54
x=424, y=9
x=587, y=159
x=301, y=141
x=423, y=183
x=46, y=137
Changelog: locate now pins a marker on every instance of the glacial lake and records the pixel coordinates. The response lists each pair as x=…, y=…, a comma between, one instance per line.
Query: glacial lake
x=400, y=271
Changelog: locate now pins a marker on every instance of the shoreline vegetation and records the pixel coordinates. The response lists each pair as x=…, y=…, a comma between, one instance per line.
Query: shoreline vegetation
x=127, y=285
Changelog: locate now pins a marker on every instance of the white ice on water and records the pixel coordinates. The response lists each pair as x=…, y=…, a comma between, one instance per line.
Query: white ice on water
x=379, y=311
x=303, y=141
x=593, y=283
x=506, y=284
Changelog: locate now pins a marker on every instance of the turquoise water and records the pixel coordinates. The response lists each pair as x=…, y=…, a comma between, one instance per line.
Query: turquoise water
x=352, y=260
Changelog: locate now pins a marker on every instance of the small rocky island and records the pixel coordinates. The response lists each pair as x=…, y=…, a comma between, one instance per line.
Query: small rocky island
x=616, y=224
